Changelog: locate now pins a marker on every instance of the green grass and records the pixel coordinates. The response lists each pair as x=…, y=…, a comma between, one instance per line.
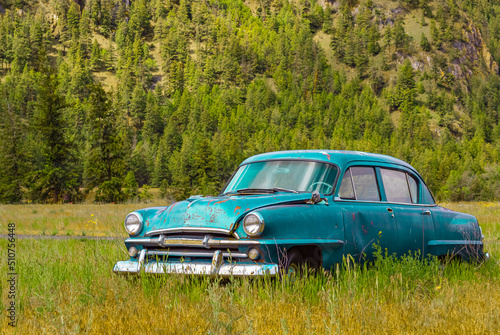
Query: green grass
x=90, y=219
x=68, y=287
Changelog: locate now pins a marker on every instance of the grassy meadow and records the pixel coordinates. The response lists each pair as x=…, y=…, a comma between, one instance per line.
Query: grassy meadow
x=86, y=219
x=67, y=286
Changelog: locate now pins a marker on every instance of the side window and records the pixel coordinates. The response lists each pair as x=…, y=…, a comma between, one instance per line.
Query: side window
x=359, y=183
x=365, y=183
x=413, y=188
x=346, y=191
x=399, y=186
x=427, y=196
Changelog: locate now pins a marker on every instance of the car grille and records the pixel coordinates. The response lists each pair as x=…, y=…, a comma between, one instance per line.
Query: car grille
x=192, y=246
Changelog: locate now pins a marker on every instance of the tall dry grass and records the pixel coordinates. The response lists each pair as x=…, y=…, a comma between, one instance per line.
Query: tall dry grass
x=68, y=287
x=70, y=219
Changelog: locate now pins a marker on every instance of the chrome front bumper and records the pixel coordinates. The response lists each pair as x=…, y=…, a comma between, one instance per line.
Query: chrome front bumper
x=217, y=267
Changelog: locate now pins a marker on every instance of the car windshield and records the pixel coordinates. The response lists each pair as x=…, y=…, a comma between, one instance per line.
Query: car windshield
x=283, y=176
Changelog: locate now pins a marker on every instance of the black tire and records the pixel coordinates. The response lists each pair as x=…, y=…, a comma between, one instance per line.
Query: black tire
x=311, y=265
x=294, y=264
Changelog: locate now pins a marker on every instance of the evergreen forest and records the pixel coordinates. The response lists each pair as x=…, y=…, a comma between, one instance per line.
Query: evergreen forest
x=112, y=95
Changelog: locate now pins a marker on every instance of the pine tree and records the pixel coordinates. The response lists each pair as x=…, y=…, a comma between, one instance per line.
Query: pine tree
x=20, y=51
x=84, y=32
x=435, y=35
x=73, y=17
x=105, y=158
x=95, y=56
x=424, y=43
x=110, y=58
x=12, y=155
x=388, y=38
x=405, y=88
x=58, y=176
x=401, y=39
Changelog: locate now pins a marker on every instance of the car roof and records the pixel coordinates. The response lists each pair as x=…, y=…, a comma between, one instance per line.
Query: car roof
x=339, y=157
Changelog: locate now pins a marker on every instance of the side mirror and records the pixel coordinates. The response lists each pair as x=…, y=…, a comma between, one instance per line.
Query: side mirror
x=316, y=198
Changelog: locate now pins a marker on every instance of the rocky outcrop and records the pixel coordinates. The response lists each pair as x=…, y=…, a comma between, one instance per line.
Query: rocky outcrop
x=471, y=50
x=475, y=47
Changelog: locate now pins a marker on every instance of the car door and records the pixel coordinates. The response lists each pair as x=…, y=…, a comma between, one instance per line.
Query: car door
x=367, y=220
x=414, y=221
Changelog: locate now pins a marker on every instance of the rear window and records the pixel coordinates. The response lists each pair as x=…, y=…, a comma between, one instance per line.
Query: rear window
x=399, y=186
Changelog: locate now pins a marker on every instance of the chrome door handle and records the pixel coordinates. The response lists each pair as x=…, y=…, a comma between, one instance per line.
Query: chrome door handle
x=426, y=212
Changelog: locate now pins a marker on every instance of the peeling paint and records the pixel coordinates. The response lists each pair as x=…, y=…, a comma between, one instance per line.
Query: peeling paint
x=172, y=206
x=326, y=154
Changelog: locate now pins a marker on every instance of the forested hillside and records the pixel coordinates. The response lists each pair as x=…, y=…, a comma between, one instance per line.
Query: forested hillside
x=111, y=95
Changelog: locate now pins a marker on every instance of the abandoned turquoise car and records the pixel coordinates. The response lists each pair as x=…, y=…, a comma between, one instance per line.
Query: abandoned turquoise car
x=282, y=210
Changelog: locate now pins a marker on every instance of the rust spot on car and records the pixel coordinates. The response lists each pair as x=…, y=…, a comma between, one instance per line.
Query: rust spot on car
x=237, y=208
x=365, y=231
x=220, y=202
x=210, y=201
x=371, y=222
x=353, y=216
x=172, y=206
x=326, y=154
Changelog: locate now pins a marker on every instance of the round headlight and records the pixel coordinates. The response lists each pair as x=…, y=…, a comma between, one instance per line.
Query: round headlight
x=253, y=224
x=133, y=223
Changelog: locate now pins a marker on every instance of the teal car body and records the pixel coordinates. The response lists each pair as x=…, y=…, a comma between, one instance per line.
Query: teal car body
x=281, y=210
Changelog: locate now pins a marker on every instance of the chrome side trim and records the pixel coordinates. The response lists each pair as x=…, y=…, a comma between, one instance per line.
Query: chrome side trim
x=188, y=230
x=339, y=199
x=454, y=242
x=207, y=254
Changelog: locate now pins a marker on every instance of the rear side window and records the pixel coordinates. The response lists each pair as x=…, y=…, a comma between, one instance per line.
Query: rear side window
x=359, y=183
x=427, y=196
x=399, y=186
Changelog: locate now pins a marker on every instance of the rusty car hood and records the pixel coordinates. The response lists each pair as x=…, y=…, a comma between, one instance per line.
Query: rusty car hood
x=221, y=212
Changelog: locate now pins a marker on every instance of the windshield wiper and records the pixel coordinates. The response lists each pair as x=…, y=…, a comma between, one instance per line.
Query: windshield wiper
x=280, y=189
x=261, y=190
